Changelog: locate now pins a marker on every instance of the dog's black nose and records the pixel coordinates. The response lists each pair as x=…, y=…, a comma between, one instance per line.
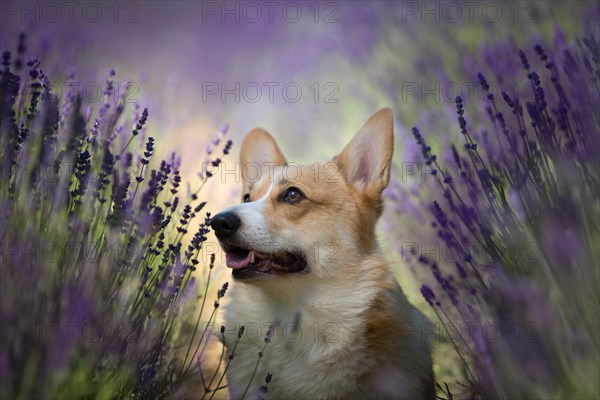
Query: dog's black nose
x=225, y=224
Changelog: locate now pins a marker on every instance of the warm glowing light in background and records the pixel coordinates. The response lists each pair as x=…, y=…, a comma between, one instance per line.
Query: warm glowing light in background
x=347, y=58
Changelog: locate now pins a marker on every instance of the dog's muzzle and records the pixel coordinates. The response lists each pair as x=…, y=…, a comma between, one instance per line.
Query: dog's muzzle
x=253, y=260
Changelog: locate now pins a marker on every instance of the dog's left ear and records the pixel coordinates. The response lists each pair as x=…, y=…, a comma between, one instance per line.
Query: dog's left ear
x=366, y=161
x=259, y=152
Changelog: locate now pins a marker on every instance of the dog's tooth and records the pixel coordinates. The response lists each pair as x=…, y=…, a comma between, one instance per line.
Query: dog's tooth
x=251, y=257
x=264, y=265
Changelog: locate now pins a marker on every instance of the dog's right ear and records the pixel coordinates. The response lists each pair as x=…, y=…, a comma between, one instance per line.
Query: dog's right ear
x=259, y=153
x=366, y=160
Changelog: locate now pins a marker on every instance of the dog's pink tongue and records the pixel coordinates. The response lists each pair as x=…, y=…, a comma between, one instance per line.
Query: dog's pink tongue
x=239, y=260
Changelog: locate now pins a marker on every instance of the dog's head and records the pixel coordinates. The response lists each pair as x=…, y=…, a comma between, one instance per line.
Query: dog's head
x=306, y=220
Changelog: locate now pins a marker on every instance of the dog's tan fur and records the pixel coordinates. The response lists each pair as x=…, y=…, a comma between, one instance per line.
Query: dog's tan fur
x=357, y=335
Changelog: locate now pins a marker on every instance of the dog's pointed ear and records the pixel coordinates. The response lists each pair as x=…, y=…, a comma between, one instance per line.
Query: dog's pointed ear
x=366, y=161
x=259, y=153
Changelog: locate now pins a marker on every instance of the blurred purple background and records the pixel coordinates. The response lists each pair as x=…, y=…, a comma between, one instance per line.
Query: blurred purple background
x=309, y=72
x=199, y=65
x=177, y=51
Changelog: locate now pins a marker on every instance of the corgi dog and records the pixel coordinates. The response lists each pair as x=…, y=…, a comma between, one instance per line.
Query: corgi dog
x=306, y=266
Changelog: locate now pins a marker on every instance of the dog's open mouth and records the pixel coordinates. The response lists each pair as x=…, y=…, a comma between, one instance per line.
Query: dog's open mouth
x=247, y=263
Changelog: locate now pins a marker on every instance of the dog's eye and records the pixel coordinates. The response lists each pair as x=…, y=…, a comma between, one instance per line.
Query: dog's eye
x=246, y=198
x=292, y=195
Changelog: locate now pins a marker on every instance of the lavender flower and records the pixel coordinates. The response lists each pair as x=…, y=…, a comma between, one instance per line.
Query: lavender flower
x=265, y=388
x=517, y=227
x=428, y=294
x=118, y=284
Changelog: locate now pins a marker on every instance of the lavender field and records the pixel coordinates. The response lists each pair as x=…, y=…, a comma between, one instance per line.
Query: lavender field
x=120, y=125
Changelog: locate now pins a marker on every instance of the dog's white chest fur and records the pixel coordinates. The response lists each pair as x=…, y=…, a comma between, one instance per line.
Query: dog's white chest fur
x=316, y=349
